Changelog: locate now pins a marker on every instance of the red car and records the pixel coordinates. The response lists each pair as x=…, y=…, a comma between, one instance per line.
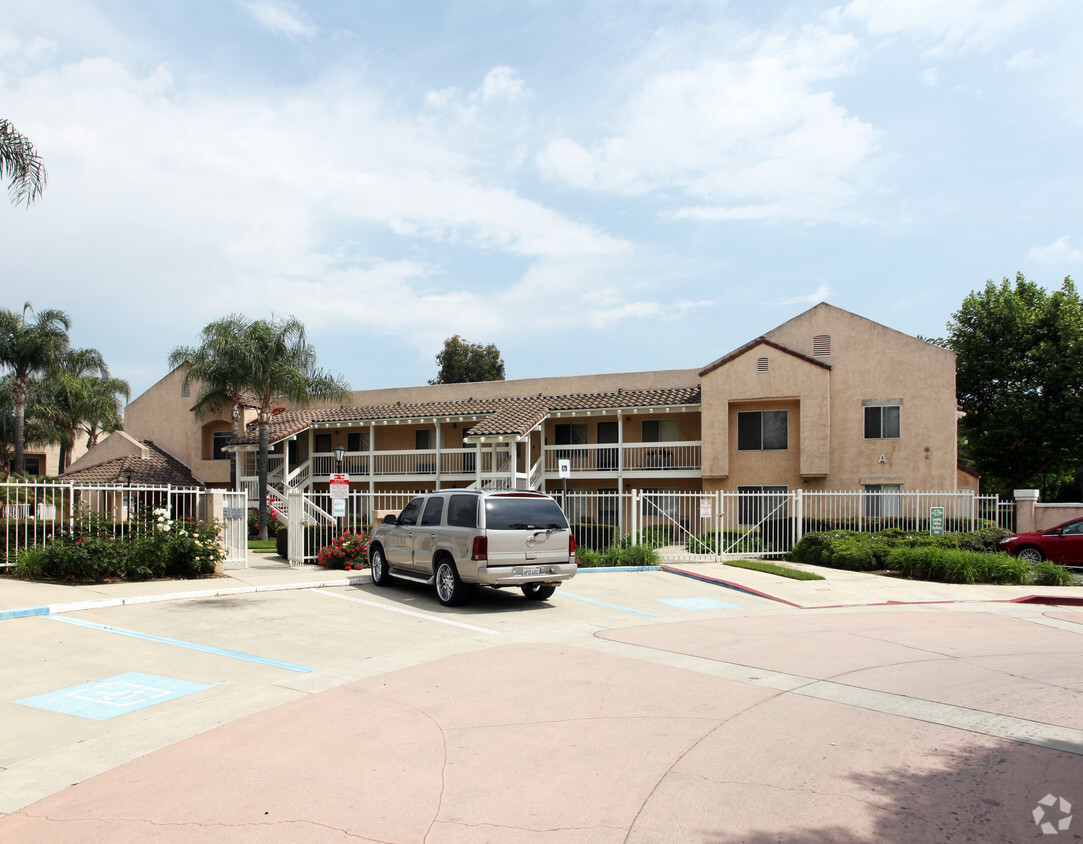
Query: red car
x=1061, y=544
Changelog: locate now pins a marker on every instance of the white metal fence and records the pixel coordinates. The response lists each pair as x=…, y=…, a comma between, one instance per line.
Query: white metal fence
x=33, y=512
x=762, y=521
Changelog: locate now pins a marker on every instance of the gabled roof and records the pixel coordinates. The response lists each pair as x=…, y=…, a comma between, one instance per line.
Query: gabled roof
x=158, y=468
x=509, y=416
x=759, y=341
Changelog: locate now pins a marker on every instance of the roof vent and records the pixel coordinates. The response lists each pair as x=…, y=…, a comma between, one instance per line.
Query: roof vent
x=761, y=365
x=821, y=345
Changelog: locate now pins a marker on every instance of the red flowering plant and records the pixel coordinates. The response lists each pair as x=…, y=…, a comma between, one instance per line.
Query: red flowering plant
x=349, y=552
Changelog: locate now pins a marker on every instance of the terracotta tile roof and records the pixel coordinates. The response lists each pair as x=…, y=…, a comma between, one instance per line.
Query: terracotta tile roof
x=159, y=469
x=504, y=416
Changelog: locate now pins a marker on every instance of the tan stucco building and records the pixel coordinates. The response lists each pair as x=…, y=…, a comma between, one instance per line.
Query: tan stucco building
x=826, y=401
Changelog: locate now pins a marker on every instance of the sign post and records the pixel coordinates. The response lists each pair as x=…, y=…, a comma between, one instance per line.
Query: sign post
x=340, y=491
x=565, y=467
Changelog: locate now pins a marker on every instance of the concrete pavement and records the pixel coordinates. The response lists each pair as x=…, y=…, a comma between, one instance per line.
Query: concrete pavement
x=632, y=707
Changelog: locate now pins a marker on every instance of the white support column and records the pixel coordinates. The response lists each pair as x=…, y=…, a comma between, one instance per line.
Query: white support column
x=372, y=462
x=439, y=450
x=514, y=446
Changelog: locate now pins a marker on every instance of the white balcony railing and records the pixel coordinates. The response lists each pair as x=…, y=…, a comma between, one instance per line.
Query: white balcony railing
x=638, y=457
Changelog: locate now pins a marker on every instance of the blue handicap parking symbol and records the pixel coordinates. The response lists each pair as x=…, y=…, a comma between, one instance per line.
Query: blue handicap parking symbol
x=102, y=699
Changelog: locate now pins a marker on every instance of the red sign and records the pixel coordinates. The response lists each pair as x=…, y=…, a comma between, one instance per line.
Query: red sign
x=340, y=485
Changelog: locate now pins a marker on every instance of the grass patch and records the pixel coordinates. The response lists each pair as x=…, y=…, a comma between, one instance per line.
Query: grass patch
x=265, y=545
x=771, y=568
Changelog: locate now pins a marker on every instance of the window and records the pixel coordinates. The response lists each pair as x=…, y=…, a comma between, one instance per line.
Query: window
x=31, y=465
x=762, y=430
x=409, y=515
x=660, y=431
x=882, y=422
x=425, y=439
x=758, y=503
x=574, y=433
x=434, y=510
x=515, y=513
x=661, y=502
x=357, y=441
x=821, y=345
x=220, y=438
x=882, y=500
x=321, y=444
x=462, y=511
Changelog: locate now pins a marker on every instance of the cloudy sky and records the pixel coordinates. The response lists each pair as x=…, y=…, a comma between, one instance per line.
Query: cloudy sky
x=592, y=186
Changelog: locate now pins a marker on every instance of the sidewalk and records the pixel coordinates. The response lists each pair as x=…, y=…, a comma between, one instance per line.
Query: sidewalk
x=268, y=572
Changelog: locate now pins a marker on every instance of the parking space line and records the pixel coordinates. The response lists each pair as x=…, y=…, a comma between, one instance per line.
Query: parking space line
x=421, y=615
x=604, y=604
x=179, y=643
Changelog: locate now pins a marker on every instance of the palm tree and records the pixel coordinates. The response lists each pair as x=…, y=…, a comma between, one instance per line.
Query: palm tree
x=28, y=349
x=263, y=363
x=35, y=430
x=81, y=397
x=21, y=164
x=217, y=366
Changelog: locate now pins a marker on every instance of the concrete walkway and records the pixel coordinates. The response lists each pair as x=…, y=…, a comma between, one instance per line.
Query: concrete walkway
x=911, y=712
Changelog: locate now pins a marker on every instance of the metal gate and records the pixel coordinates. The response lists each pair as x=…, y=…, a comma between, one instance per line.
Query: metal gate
x=235, y=532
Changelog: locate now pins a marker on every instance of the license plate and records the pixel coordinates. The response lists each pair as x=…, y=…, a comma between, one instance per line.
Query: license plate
x=531, y=571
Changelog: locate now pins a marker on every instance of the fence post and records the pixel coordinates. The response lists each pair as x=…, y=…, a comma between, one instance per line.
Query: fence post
x=798, y=515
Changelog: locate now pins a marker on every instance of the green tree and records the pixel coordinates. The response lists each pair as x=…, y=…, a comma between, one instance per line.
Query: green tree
x=28, y=349
x=217, y=365
x=265, y=362
x=1019, y=381
x=21, y=165
x=35, y=431
x=461, y=362
x=79, y=396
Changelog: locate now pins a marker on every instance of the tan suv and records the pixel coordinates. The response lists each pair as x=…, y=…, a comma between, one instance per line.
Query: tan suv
x=457, y=539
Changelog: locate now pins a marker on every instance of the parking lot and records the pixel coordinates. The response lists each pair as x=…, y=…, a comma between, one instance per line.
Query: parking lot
x=639, y=706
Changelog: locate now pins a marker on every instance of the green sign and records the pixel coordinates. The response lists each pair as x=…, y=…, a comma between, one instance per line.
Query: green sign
x=936, y=521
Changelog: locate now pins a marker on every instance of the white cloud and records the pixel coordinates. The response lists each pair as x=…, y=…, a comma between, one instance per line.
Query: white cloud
x=749, y=137
x=821, y=294
x=281, y=19
x=946, y=28
x=1058, y=251
x=1026, y=60
x=503, y=83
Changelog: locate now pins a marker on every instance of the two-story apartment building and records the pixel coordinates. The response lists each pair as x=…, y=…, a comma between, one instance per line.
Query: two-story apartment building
x=826, y=401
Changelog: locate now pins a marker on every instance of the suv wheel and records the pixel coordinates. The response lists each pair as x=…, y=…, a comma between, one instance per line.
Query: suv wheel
x=378, y=568
x=538, y=591
x=450, y=590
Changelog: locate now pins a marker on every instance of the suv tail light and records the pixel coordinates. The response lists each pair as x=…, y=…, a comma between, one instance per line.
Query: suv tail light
x=571, y=549
x=480, y=551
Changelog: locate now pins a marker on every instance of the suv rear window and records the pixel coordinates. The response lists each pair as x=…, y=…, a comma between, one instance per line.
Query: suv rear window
x=523, y=514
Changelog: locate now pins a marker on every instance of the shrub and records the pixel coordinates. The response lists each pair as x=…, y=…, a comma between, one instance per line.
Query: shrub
x=1047, y=573
x=842, y=549
x=955, y=565
x=82, y=559
x=29, y=562
x=587, y=557
x=617, y=555
x=348, y=551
